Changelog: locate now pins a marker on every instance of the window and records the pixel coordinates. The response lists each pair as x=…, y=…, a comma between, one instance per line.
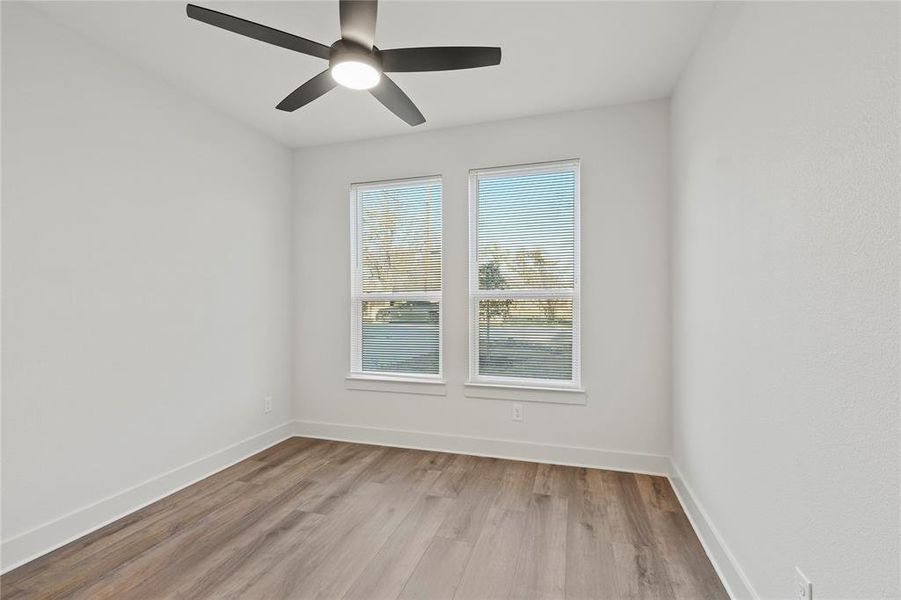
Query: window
x=396, y=279
x=524, y=276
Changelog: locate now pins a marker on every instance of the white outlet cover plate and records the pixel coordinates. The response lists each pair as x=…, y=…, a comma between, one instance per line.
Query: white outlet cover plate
x=803, y=587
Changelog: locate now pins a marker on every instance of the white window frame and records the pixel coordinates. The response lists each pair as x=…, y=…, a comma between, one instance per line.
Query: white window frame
x=358, y=296
x=475, y=295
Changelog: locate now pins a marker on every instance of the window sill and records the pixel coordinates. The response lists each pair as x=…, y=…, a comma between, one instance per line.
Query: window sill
x=397, y=385
x=494, y=391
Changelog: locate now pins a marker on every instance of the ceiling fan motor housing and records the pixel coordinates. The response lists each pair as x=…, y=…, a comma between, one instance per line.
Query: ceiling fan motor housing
x=345, y=50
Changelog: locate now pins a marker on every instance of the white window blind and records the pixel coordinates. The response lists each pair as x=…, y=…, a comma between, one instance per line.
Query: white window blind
x=524, y=275
x=396, y=278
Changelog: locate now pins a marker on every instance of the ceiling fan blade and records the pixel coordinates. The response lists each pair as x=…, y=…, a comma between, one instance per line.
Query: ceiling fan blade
x=358, y=21
x=397, y=101
x=308, y=92
x=439, y=58
x=257, y=31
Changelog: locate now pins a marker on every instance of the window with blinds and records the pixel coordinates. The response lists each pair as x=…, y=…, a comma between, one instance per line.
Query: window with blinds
x=396, y=278
x=524, y=275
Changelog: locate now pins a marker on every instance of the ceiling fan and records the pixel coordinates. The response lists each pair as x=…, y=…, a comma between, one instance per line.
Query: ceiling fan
x=354, y=60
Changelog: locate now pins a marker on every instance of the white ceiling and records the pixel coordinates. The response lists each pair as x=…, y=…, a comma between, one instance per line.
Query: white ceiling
x=557, y=56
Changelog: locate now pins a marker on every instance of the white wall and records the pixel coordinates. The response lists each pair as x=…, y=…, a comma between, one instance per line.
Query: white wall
x=625, y=314
x=146, y=267
x=786, y=295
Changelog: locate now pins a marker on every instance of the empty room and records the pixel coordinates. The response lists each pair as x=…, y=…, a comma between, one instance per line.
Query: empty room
x=450, y=300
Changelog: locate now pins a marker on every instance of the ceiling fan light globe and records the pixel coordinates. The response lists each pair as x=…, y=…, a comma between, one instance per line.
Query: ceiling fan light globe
x=356, y=75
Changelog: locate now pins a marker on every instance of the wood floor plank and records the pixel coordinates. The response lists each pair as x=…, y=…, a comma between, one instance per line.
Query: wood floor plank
x=436, y=461
x=439, y=572
x=63, y=559
x=392, y=462
x=541, y=564
x=77, y=573
x=386, y=574
x=337, y=477
x=288, y=540
x=335, y=575
x=689, y=571
x=246, y=557
x=491, y=568
x=8, y=592
x=152, y=572
x=454, y=476
x=294, y=444
x=290, y=575
x=641, y=573
x=285, y=473
x=627, y=518
x=517, y=484
x=590, y=560
x=316, y=519
x=338, y=550
x=479, y=489
x=555, y=480
x=657, y=493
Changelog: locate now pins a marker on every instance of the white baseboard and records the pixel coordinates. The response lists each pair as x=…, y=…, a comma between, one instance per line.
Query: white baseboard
x=36, y=542
x=615, y=460
x=731, y=574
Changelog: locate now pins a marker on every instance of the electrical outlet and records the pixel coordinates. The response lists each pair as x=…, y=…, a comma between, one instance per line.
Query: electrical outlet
x=803, y=587
x=517, y=412
x=267, y=404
